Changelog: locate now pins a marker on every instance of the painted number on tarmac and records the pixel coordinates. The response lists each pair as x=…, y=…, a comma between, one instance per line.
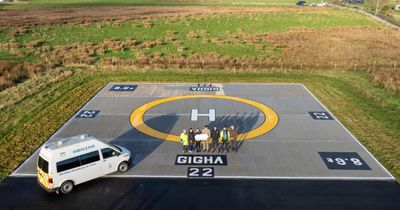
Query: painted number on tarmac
x=321, y=116
x=87, y=114
x=343, y=161
x=204, y=87
x=203, y=172
x=123, y=87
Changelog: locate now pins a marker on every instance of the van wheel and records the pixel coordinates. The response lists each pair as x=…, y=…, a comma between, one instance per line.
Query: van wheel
x=66, y=187
x=123, y=167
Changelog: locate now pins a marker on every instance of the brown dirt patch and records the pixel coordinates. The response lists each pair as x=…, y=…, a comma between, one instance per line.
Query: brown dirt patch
x=343, y=47
x=12, y=73
x=388, y=78
x=29, y=17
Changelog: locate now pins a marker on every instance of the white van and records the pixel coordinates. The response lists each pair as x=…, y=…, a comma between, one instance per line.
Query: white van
x=69, y=162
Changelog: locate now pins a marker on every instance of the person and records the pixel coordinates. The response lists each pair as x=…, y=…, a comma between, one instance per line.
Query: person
x=214, y=138
x=233, y=138
x=184, y=141
x=206, y=142
x=198, y=142
x=223, y=140
x=191, y=140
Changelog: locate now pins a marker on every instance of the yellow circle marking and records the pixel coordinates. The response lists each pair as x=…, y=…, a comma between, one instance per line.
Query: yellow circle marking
x=136, y=118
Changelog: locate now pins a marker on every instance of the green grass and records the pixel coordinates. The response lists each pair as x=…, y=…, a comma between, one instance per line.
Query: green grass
x=5, y=54
x=369, y=112
x=4, y=34
x=217, y=27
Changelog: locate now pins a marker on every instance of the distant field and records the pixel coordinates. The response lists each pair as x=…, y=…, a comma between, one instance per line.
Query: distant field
x=224, y=34
x=235, y=37
x=215, y=27
x=78, y=3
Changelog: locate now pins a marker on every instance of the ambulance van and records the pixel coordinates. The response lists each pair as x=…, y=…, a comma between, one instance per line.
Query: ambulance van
x=66, y=163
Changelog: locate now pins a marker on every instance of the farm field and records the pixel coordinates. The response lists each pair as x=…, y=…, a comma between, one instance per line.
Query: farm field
x=80, y=3
x=274, y=37
x=228, y=34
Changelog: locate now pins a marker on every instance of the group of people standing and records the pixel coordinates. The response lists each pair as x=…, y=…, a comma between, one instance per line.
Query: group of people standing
x=209, y=141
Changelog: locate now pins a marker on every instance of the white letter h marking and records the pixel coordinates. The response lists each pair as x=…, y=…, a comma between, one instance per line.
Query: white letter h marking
x=195, y=115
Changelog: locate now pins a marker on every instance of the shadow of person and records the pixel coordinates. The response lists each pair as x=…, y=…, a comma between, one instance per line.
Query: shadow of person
x=243, y=122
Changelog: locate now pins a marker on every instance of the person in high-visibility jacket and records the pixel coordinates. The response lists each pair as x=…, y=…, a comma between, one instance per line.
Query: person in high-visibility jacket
x=224, y=138
x=184, y=141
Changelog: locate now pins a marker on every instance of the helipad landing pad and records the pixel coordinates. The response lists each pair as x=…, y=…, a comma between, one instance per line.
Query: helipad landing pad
x=285, y=132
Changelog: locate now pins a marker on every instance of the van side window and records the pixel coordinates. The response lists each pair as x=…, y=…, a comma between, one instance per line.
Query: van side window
x=108, y=152
x=89, y=157
x=68, y=164
x=78, y=161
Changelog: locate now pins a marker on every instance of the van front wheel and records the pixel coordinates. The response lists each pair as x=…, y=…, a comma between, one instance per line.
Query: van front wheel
x=123, y=167
x=66, y=187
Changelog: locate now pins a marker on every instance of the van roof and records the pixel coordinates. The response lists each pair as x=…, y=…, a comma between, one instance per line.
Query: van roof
x=68, y=142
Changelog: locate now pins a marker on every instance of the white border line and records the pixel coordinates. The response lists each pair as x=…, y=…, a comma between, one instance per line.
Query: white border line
x=333, y=178
x=60, y=129
x=362, y=146
x=155, y=88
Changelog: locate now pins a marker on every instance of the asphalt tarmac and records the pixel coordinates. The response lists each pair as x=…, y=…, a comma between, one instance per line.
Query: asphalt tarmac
x=283, y=140
x=192, y=194
x=294, y=153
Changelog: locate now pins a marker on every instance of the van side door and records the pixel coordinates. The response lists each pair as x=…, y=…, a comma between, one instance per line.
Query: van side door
x=110, y=160
x=92, y=166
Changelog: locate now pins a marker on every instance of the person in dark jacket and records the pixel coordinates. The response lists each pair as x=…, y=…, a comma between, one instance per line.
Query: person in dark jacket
x=214, y=139
x=198, y=143
x=233, y=138
x=192, y=141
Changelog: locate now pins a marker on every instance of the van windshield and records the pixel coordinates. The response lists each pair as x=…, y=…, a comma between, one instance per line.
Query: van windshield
x=43, y=165
x=114, y=147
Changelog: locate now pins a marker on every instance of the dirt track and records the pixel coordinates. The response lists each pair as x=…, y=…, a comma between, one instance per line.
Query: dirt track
x=19, y=17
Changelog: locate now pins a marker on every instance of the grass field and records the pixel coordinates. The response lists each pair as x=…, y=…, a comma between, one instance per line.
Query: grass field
x=216, y=27
x=302, y=38
x=197, y=35
x=371, y=112
x=80, y=3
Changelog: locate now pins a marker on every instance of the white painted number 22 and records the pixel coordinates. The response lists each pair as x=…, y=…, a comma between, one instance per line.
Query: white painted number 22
x=88, y=114
x=200, y=172
x=321, y=115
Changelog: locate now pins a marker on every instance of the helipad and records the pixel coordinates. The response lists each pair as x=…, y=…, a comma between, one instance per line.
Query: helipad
x=286, y=132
